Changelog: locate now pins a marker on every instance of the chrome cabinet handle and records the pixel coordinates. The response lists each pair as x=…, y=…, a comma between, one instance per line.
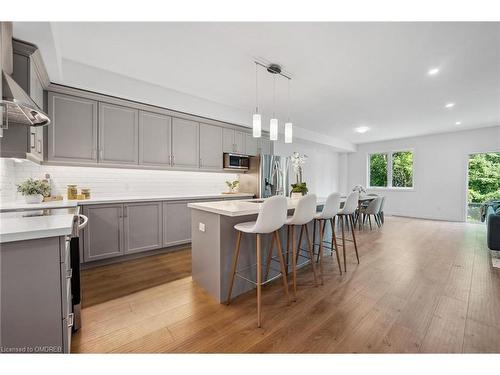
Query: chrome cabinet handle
x=69, y=273
x=32, y=140
x=39, y=146
x=71, y=320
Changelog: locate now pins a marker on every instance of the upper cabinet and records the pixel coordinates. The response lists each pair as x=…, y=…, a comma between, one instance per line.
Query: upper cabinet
x=154, y=139
x=118, y=134
x=251, y=145
x=185, y=146
x=72, y=134
x=265, y=146
x=210, y=147
x=233, y=141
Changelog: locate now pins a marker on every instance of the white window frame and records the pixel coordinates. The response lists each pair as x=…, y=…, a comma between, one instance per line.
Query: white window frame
x=389, y=171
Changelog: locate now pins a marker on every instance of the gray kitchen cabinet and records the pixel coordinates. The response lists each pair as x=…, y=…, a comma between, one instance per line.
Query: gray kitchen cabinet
x=142, y=226
x=251, y=145
x=103, y=235
x=185, y=143
x=154, y=139
x=36, y=295
x=239, y=142
x=176, y=223
x=118, y=134
x=72, y=134
x=265, y=146
x=233, y=141
x=36, y=133
x=210, y=147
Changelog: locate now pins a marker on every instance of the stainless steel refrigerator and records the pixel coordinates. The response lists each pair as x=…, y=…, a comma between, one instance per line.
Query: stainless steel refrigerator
x=268, y=175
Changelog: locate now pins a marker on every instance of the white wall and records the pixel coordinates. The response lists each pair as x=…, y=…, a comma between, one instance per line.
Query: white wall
x=440, y=172
x=321, y=171
x=108, y=182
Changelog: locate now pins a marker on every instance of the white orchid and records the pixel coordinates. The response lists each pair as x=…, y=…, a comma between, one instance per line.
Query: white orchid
x=360, y=189
x=298, y=161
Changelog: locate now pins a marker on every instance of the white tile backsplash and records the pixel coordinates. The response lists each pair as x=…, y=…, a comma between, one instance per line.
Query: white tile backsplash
x=109, y=182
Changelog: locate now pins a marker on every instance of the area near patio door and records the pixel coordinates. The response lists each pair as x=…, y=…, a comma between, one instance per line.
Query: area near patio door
x=484, y=182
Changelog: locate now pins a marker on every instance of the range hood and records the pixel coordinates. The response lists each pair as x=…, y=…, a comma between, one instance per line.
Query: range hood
x=20, y=108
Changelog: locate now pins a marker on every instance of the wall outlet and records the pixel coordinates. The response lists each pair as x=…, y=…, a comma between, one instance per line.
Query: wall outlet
x=201, y=227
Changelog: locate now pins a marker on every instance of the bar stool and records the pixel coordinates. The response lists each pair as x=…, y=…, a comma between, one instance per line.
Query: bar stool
x=328, y=214
x=347, y=213
x=303, y=214
x=272, y=216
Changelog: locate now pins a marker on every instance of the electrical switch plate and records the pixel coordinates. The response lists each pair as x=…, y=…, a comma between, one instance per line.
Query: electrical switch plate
x=201, y=227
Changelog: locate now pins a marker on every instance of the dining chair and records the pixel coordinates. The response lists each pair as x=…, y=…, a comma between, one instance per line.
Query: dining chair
x=373, y=208
x=272, y=216
x=381, y=211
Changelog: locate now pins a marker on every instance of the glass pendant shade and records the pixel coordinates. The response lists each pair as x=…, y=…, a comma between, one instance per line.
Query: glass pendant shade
x=257, y=125
x=288, y=132
x=273, y=129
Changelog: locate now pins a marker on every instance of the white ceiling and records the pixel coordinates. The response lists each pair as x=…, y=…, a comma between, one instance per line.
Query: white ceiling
x=344, y=74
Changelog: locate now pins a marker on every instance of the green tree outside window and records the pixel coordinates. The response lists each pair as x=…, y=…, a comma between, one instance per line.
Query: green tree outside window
x=402, y=169
x=484, y=177
x=378, y=170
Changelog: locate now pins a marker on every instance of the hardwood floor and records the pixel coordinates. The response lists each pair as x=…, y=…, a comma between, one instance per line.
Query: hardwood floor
x=422, y=286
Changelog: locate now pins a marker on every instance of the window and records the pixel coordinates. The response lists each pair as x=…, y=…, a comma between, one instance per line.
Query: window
x=391, y=169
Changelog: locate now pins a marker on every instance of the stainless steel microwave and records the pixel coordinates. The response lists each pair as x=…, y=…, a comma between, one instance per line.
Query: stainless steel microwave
x=236, y=161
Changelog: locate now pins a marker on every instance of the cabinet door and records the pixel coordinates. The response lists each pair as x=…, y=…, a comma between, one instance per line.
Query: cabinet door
x=210, y=147
x=239, y=142
x=228, y=140
x=154, y=139
x=118, y=134
x=103, y=237
x=72, y=135
x=265, y=146
x=142, y=226
x=185, y=146
x=176, y=223
x=251, y=145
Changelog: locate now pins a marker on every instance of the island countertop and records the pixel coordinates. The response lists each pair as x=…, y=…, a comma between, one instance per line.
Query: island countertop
x=241, y=207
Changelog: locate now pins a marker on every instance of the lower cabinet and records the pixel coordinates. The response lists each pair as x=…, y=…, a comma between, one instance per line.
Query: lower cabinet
x=103, y=236
x=142, y=226
x=176, y=223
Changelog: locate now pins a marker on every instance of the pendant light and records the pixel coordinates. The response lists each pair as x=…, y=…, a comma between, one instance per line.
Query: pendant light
x=288, y=124
x=256, y=120
x=273, y=123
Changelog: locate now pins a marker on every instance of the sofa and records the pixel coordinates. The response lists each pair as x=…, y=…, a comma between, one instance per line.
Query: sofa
x=491, y=212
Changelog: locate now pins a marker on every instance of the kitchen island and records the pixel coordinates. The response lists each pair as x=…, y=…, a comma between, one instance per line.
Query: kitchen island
x=213, y=240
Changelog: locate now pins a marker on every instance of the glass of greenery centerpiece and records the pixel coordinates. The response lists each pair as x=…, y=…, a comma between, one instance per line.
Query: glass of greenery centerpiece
x=34, y=190
x=299, y=188
x=233, y=186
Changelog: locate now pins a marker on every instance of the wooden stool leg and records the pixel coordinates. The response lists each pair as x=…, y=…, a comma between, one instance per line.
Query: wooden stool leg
x=299, y=244
x=314, y=237
x=334, y=243
x=287, y=247
x=259, y=282
x=354, y=239
x=282, y=265
x=320, y=254
x=294, y=264
x=235, y=264
x=311, y=254
x=343, y=241
x=269, y=258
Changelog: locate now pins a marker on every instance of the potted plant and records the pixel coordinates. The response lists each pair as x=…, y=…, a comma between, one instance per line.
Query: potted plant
x=299, y=188
x=34, y=190
x=232, y=185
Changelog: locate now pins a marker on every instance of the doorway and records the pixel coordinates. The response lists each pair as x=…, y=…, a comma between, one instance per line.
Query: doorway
x=483, y=182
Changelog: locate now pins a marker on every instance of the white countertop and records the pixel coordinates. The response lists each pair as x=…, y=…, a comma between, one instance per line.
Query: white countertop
x=22, y=206
x=241, y=207
x=18, y=228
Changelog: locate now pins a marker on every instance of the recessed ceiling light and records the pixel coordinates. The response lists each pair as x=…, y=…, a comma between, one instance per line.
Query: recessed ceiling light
x=449, y=105
x=433, y=71
x=458, y=123
x=361, y=129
